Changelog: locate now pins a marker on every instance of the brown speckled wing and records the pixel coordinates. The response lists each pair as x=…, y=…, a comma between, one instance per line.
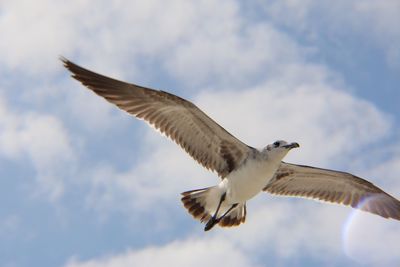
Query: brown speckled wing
x=183, y=122
x=333, y=186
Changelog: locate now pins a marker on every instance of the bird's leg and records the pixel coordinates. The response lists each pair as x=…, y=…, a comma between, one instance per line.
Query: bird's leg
x=231, y=208
x=213, y=220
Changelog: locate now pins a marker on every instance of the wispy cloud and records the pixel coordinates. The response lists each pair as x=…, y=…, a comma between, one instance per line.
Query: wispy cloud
x=316, y=20
x=190, y=252
x=41, y=140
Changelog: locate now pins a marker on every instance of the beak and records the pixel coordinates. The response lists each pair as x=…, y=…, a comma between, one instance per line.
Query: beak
x=292, y=145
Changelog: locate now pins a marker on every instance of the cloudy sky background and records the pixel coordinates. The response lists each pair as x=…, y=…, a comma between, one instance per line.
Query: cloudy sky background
x=84, y=185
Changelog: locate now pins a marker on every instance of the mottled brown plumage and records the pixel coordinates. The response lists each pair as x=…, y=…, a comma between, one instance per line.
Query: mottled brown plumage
x=333, y=186
x=195, y=206
x=200, y=136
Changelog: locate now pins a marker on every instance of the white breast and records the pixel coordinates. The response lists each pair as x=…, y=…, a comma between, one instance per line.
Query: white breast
x=247, y=181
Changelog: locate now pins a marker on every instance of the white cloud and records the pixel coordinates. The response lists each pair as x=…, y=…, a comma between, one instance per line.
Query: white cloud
x=40, y=139
x=92, y=113
x=234, y=55
x=35, y=34
x=384, y=171
x=197, y=44
x=374, y=20
x=381, y=19
x=105, y=31
x=190, y=252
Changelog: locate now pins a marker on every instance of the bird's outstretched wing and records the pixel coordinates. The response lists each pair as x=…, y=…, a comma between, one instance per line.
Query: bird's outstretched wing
x=333, y=186
x=183, y=122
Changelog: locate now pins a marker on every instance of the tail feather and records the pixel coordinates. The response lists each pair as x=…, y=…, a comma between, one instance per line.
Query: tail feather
x=195, y=202
x=200, y=204
x=235, y=217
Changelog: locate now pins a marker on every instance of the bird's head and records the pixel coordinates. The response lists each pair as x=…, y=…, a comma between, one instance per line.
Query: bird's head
x=280, y=148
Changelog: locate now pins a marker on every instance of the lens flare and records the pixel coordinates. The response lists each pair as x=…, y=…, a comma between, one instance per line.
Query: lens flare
x=370, y=239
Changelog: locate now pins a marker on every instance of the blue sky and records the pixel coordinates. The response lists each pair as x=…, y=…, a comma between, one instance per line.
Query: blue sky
x=83, y=184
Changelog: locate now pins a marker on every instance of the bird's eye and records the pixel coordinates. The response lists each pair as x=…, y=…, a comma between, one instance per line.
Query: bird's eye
x=277, y=144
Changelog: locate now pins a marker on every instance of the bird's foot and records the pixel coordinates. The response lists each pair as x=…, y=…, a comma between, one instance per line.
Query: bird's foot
x=211, y=222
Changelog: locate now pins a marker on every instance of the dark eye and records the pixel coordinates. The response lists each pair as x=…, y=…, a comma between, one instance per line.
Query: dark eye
x=277, y=144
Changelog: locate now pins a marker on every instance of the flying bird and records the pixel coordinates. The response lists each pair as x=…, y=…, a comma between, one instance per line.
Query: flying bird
x=244, y=170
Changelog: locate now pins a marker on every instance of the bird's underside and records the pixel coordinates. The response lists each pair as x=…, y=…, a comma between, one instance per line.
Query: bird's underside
x=217, y=150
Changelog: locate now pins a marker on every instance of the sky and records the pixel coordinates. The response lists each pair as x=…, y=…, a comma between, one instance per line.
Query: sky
x=83, y=184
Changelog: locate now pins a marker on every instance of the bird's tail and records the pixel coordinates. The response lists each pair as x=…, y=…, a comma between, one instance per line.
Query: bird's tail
x=202, y=203
x=195, y=201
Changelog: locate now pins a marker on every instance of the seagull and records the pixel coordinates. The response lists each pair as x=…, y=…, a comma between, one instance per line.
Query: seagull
x=244, y=170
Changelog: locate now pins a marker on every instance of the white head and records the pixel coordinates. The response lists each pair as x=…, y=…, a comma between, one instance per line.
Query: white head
x=279, y=148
